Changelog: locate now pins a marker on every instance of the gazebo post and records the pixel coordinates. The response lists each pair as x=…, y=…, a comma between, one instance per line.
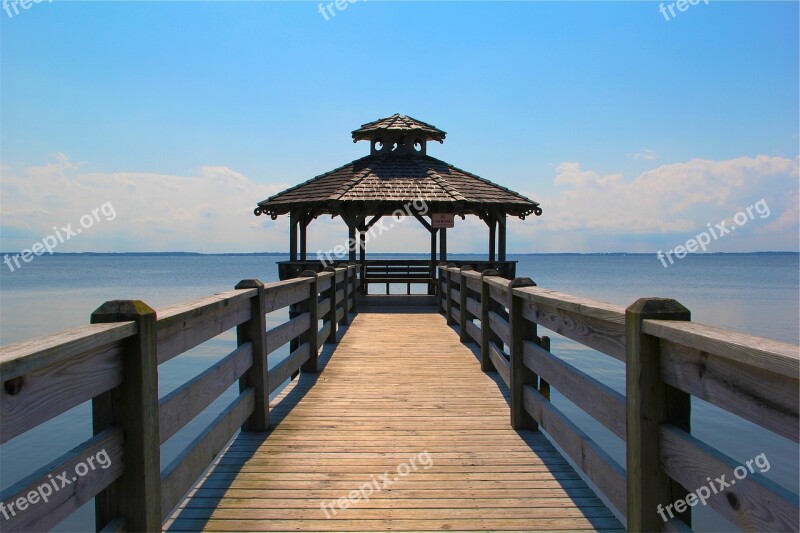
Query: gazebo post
x=432, y=287
x=293, y=220
x=501, y=237
x=304, y=222
x=492, y=223
x=443, y=245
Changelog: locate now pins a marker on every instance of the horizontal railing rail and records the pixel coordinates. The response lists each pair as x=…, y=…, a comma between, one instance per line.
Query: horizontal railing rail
x=114, y=363
x=668, y=359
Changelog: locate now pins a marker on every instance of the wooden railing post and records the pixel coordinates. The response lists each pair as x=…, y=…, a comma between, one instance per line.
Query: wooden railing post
x=310, y=306
x=448, y=296
x=544, y=387
x=462, y=303
x=353, y=288
x=486, y=330
x=332, y=311
x=650, y=402
x=133, y=405
x=255, y=331
x=520, y=330
x=439, y=290
x=346, y=287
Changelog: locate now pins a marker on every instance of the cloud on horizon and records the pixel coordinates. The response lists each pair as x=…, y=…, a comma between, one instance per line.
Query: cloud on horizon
x=210, y=210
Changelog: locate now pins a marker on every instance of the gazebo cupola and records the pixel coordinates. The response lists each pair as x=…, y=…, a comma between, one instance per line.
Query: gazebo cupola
x=398, y=135
x=398, y=174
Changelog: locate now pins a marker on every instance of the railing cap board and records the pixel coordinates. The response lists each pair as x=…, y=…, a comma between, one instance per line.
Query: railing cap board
x=30, y=355
x=497, y=281
x=576, y=304
x=490, y=272
x=773, y=356
x=183, y=311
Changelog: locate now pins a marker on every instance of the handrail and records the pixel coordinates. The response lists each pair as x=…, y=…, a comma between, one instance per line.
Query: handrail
x=668, y=358
x=114, y=364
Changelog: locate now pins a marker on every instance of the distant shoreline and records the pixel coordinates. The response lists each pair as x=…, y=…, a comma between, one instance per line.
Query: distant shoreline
x=271, y=254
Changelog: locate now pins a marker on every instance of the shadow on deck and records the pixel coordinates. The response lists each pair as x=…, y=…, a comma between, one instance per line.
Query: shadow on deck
x=399, y=387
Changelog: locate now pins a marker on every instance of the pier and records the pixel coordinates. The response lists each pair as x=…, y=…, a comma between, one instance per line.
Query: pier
x=422, y=411
x=466, y=381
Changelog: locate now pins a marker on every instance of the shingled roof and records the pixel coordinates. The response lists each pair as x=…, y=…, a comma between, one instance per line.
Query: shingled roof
x=398, y=123
x=392, y=176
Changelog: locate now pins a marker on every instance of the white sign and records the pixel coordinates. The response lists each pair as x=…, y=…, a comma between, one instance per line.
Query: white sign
x=443, y=220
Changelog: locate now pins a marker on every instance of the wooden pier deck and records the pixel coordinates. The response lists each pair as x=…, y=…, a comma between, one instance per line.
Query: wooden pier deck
x=396, y=386
x=417, y=416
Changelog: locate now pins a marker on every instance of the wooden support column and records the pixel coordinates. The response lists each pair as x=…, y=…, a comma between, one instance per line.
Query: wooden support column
x=332, y=311
x=650, y=402
x=486, y=330
x=310, y=306
x=443, y=245
x=448, y=297
x=254, y=331
x=492, y=223
x=352, y=243
x=442, y=278
x=462, y=304
x=133, y=405
x=346, y=288
x=293, y=222
x=432, y=286
x=305, y=220
x=501, y=237
x=353, y=287
x=363, y=257
x=520, y=330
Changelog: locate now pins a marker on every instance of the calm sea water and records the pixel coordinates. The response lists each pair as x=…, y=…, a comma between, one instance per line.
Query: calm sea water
x=754, y=293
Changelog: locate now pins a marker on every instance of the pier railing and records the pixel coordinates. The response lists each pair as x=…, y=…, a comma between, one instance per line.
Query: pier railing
x=114, y=363
x=668, y=360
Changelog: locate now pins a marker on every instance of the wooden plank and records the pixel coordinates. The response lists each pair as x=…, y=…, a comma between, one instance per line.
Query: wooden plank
x=602, y=403
x=474, y=332
x=324, y=307
x=45, y=392
x=180, y=406
x=456, y=314
x=765, y=354
x=500, y=327
x=598, y=466
x=602, y=334
x=280, y=335
x=182, y=327
x=323, y=334
x=42, y=514
x=34, y=354
x=365, y=414
x=500, y=363
x=473, y=306
x=760, y=396
x=182, y=472
x=282, y=294
x=751, y=501
x=286, y=368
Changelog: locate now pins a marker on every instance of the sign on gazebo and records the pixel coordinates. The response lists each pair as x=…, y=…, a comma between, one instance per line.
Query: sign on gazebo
x=443, y=220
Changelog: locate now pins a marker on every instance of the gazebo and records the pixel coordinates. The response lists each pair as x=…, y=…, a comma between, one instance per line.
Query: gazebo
x=398, y=176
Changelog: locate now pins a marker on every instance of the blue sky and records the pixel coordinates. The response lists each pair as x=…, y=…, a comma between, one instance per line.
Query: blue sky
x=634, y=132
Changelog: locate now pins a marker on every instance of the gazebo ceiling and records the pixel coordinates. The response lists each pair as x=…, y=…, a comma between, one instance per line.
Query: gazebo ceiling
x=398, y=171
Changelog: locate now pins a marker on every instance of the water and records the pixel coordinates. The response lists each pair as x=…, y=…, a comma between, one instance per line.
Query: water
x=753, y=293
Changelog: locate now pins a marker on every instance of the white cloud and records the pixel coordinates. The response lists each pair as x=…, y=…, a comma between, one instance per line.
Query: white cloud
x=647, y=154
x=668, y=200
x=209, y=211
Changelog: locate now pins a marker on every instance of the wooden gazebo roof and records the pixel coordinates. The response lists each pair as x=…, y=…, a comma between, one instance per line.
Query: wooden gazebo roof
x=398, y=177
x=388, y=179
